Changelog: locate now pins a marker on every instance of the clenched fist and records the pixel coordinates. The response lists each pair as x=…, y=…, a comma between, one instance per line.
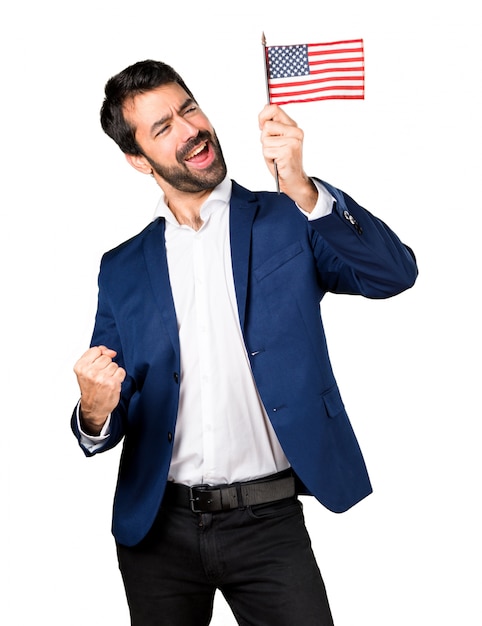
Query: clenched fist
x=100, y=382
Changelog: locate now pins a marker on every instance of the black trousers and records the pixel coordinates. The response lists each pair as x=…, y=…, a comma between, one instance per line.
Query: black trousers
x=259, y=557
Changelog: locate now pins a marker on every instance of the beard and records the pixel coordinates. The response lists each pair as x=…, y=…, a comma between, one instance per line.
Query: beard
x=191, y=181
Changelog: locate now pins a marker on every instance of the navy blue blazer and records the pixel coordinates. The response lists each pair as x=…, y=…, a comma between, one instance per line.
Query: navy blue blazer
x=283, y=265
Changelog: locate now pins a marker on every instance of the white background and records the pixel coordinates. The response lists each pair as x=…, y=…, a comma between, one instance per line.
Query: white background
x=408, y=368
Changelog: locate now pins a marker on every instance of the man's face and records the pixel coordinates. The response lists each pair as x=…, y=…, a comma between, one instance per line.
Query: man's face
x=176, y=138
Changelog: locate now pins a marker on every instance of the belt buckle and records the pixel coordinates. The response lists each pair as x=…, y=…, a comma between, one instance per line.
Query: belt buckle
x=193, y=499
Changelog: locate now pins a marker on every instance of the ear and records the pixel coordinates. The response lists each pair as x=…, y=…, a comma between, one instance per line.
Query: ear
x=139, y=163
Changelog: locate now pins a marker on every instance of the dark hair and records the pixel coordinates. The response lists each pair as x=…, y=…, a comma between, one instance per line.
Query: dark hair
x=135, y=79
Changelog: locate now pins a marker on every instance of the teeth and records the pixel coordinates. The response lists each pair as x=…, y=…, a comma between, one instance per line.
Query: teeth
x=196, y=151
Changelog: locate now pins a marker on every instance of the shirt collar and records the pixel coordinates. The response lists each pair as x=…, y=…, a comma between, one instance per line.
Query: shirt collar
x=219, y=197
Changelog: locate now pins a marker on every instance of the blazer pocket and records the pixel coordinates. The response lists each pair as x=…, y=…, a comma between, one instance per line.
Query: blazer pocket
x=278, y=260
x=333, y=402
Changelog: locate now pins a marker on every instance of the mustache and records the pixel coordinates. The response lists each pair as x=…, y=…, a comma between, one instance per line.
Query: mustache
x=203, y=135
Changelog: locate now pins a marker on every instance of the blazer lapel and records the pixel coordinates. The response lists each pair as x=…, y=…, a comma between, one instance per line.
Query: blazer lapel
x=243, y=208
x=156, y=262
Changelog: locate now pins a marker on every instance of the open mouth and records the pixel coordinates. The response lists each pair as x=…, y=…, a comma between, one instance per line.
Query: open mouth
x=202, y=156
x=199, y=153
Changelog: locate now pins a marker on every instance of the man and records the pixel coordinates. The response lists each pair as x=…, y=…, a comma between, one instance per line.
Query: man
x=208, y=359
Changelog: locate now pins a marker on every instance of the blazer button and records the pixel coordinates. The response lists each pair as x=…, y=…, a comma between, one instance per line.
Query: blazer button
x=169, y=437
x=176, y=377
x=353, y=221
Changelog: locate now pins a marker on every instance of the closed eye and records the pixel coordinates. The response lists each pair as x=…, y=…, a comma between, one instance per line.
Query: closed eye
x=162, y=125
x=191, y=109
x=161, y=130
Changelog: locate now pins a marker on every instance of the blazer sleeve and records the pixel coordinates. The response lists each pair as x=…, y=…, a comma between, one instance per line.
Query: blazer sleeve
x=367, y=257
x=105, y=333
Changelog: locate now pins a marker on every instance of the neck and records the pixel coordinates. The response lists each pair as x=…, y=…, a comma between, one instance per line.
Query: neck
x=193, y=221
x=186, y=207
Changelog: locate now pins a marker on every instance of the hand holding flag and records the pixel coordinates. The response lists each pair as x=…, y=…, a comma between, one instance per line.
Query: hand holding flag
x=282, y=141
x=311, y=72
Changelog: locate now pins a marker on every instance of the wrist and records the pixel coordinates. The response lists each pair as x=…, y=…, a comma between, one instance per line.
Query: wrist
x=305, y=195
x=91, y=425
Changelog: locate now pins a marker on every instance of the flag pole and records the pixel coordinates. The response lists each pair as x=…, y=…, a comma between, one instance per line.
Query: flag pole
x=265, y=61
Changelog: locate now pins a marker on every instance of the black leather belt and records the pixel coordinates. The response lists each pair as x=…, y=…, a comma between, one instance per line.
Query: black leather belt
x=210, y=499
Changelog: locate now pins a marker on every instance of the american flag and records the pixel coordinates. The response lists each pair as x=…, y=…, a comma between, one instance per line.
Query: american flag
x=316, y=71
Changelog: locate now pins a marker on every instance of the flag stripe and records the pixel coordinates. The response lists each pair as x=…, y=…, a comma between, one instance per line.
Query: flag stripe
x=303, y=92
x=327, y=70
x=356, y=60
x=325, y=97
x=333, y=44
x=308, y=72
x=312, y=52
x=285, y=84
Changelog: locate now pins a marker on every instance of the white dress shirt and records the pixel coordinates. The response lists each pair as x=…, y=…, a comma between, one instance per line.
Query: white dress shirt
x=223, y=433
